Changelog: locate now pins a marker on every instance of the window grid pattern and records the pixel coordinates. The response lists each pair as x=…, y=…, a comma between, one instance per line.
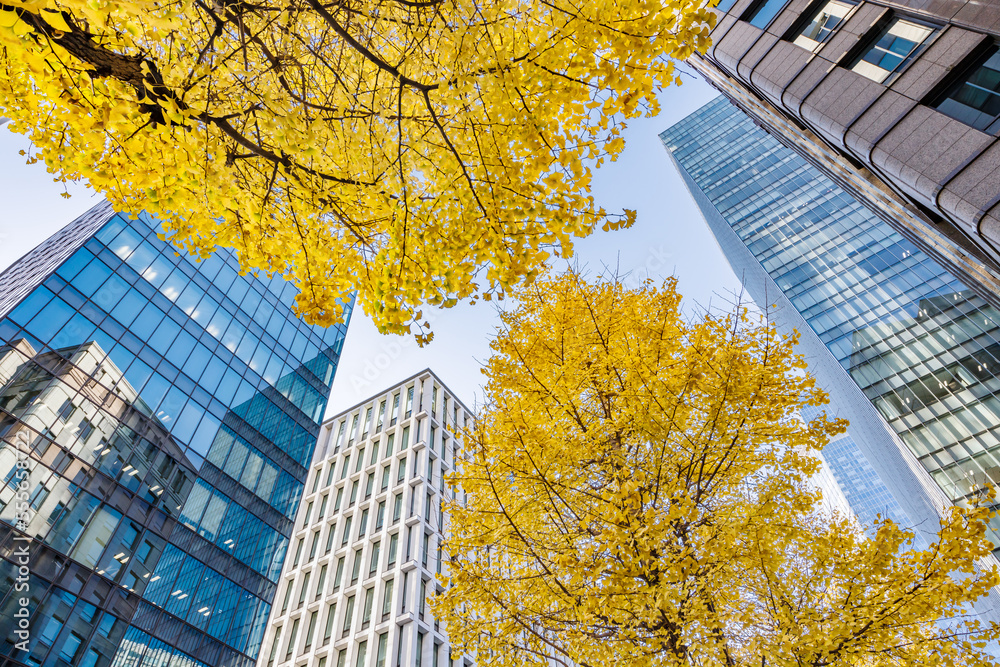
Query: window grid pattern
x=396, y=555
x=151, y=389
x=922, y=347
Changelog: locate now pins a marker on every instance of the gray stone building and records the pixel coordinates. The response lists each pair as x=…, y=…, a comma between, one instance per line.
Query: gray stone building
x=899, y=102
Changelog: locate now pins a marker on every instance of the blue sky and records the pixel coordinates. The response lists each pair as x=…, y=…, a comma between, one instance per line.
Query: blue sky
x=669, y=238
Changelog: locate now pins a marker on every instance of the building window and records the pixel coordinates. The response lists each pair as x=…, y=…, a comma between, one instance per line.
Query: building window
x=974, y=98
x=331, y=617
x=310, y=630
x=363, y=525
x=762, y=12
x=347, y=532
x=393, y=544
x=340, y=436
x=340, y=574
x=312, y=546
x=329, y=539
x=362, y=654
x=373, y=565
x=387, y=600
x=366, y=614
x=890, y=48
x=274, y=647
x=347, y=617
x=304, y=590
x=356, y=568
x=322, y=581
x=383, y=645
x=820, y=23
x=290, y=649
x=397, y=507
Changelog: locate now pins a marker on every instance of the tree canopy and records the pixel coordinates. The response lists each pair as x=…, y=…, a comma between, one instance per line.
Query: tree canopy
x=637, y=492
x=416, y=151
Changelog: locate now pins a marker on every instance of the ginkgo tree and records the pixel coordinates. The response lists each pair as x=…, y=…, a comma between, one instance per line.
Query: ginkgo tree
x=637, y=491
x=413, y=151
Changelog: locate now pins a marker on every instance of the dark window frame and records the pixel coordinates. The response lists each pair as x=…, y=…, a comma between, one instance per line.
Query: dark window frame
x=809, y=15
x=874, y=34
x=755, y=8
x=959, y=76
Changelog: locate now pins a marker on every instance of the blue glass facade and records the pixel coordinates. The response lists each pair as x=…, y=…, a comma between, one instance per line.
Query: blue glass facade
x=922, y=346
x=865, y=492
x=165, y=412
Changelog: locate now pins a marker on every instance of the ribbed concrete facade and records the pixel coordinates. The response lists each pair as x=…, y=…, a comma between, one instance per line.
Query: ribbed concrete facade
x=365, y=550
x=898, y=101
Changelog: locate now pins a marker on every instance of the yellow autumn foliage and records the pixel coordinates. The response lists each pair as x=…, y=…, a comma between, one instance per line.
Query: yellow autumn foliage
x=636, y=492
x=414, y=151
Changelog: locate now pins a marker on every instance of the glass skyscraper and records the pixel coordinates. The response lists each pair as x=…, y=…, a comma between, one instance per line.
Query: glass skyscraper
x=909, y=353
x=865, y=493
x=158, y=416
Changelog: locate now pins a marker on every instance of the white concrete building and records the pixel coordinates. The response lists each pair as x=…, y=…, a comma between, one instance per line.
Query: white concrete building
x=365, y=552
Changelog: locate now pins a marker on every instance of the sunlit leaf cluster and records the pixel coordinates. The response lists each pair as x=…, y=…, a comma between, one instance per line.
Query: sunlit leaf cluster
x=638, y=491
x=416, y=151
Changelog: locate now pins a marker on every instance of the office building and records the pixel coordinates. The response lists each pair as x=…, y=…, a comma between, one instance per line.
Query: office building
x=158, y=416
x=367, y=540
x=906, y=350
x=896, y=101
x=854, y=484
